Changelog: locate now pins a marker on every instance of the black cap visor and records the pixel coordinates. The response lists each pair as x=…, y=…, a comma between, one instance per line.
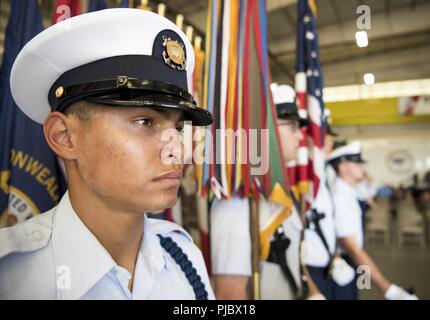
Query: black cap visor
x=288, y=111
x=131, y=92
x=294, y=117
x=356, y=158
x=198, y=116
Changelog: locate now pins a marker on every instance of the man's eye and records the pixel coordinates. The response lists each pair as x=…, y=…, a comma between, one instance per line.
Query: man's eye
x=295, y=125
x=144, y=122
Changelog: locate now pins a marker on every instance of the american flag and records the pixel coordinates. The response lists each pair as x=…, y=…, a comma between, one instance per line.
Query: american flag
x=309, y=167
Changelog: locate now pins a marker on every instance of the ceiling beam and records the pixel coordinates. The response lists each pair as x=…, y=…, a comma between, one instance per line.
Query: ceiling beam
x=350, y=58
x=421, y=36
x=278, y=4
x=281, y=66
x=291, y=21
x=387, y=7
x=337, y=14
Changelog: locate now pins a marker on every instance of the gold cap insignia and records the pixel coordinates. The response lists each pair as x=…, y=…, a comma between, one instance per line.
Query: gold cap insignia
x=59, y=92
x=174, y=53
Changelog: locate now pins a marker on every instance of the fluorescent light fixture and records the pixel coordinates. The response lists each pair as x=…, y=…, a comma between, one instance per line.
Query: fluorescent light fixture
x=361, y=39
x=369, y=79
x=392, y=89
x=428, y=162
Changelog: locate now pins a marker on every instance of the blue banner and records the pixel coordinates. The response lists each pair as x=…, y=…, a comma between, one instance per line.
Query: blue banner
x=95, y=5
x=31, y=181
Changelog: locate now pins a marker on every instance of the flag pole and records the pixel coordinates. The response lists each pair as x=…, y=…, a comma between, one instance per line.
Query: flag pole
x=304, y=271
x=255, y=252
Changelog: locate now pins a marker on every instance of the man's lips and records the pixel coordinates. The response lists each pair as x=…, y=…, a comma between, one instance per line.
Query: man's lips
x=170, y=175
x=171, y=178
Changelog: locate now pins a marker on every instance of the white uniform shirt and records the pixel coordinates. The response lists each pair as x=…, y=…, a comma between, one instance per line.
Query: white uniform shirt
x=231, y=245
x=347, y=212
x=55, y=256
x=316, y=252
x=365, y=190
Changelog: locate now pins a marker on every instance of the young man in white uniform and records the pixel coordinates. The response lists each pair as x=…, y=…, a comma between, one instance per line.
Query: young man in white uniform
x=320, y=236
x=106, y=86
x=230, y=225
x=350, y=168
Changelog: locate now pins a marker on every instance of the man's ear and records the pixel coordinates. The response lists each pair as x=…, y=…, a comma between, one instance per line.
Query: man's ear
x=58, y=129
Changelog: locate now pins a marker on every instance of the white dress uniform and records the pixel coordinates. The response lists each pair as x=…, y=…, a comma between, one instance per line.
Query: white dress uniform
x=319, y=255
x=116, y=57
x=55, y=256
x=349, y=222
x=231, y=245
x=316, y=253
x=348, y=214
x=365, y=190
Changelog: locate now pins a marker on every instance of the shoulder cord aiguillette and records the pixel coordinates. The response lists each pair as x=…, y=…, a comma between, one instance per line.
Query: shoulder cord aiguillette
x=182, y=260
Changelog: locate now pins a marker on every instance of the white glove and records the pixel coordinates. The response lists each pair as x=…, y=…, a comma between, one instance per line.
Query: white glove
x=341, y=272
x=318, y=296
x=396, y=293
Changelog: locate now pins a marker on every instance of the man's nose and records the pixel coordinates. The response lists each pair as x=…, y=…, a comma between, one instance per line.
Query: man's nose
x=178, y=147
x=173, y=148
x=300, y=135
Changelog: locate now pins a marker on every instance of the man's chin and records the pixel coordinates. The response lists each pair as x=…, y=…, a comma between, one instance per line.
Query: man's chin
x=163, y=204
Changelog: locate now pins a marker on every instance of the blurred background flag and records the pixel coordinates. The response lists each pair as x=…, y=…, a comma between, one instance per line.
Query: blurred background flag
x=124, y=4
x=307, y=172
x=236, y=90
x=65, y=9
x=95, y=5
x=30, y=179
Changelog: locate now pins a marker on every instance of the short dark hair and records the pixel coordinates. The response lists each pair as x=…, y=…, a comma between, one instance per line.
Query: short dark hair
x=335, y=164
x=81, y=109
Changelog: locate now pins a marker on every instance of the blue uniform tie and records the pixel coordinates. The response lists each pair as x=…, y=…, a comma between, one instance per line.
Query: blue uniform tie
x=186, y=266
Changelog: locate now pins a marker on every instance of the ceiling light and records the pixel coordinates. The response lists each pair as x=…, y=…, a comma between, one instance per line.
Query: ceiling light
x=361, y=39
x=369, y=79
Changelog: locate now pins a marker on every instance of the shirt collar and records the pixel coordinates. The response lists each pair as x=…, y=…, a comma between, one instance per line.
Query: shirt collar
x=152, y=257
x=341, y=184
x=77, y=250
x=151, y=249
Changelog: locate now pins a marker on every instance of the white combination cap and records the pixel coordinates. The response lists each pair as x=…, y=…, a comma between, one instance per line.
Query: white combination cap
x=118, y=57
x=350, y=152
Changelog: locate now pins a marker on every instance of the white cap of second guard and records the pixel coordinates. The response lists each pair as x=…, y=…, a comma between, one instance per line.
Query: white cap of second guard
x=283, y=94
x=284, y=98
x=350, y=152
x=118, y=57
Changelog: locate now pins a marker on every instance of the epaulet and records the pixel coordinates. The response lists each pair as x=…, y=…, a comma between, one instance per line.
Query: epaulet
x=27, y=236
x=164, y=227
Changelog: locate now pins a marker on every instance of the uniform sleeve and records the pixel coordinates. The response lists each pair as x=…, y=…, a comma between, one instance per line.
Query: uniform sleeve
x=343, y=222
x=26, y=261
x=230, y=237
